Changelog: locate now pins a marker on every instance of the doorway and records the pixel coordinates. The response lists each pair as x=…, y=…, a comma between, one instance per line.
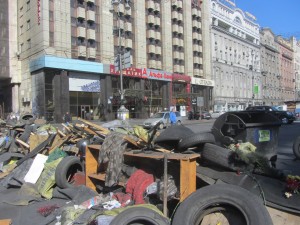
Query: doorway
x=83, y=109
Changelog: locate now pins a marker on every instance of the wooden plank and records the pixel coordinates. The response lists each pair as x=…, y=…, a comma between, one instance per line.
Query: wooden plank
x=22, y=143
x=59, y=143
x=160, y=155
x=91, y=166
x=103, y=129
x=101, y=177
x=5, y=222
x=61, y=133
x=35, y=140
x=67, y=128
x=187, y=177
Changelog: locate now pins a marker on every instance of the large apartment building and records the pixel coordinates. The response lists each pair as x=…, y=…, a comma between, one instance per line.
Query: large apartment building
x=59, y=55
x=235, y=44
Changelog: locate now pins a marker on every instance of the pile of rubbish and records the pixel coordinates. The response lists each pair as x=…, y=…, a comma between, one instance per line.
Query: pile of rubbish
x=44, y=163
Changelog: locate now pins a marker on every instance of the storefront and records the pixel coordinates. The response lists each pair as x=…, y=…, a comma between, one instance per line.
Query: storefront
x=180, y=92
x=202, y=88
x=146, y=91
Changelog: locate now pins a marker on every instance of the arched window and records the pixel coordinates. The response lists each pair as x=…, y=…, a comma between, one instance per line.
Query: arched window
x=238, y=20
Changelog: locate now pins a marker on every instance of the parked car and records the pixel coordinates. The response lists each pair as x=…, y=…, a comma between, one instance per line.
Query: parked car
x=163, y=117
x=216, y=114
x=205, y=115
x=286, y=117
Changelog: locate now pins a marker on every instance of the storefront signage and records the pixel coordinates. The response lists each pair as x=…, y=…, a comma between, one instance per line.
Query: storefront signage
x=203, y=82
x=39, y=11
x=181, y=78
x=143, y=73
x=84, y=85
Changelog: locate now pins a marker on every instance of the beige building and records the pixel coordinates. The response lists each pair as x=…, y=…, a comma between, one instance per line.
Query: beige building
x=50, y=48
x=286, y=68
x=235, y=47
x=271, y=88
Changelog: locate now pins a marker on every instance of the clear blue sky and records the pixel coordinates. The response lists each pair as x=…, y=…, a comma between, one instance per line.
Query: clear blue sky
x=282, y=16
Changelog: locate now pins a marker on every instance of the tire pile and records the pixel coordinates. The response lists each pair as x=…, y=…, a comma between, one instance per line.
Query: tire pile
x=19, y=143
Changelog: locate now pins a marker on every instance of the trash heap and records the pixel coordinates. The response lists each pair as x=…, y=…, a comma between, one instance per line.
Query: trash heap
x=45, y=163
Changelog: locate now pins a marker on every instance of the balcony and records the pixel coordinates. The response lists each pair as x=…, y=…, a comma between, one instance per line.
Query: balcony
x=176, y=55
x=150, y=5
x=128, y=43
x=196, y=59
x=150, y=19
x=157, y=21
x=180, y=17
x=81, y=32
x=128, y=12
x=175, y=41
x=176, y=69
x=91, y=53
x=91, y=34
x=90, y=15
x=179, y=4
x=199, y=24
x=175, y=28
x=174, y=15
x=151, y=48
x=152, y=63
x=81, y=12
x=200, y=60
x=194, y=12
x=128, y=26
x=195, y=24
x=158, y=65
x=181, y=68
x=195, y=35
x=158, y=50
x=174, y=4
x=121, y=8
x=181, y=56
x=180, y=43
x=81, y=51
x=199, y=37
x=92, y=1
x=119, y=41
x=196, y=72
x=199, y=13
x=157, y=7
x=200, y=48
x=195, y=48
x=151, y=34
x=157, y=35
x=180, y=29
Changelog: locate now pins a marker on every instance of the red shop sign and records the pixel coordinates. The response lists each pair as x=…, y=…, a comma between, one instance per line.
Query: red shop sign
x=181, y=78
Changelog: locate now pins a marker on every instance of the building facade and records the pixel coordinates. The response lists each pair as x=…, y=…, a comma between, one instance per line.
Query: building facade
x=235, y=47
x=271, y=88
x=296, y=49
x=64, y=53
x=286, y=68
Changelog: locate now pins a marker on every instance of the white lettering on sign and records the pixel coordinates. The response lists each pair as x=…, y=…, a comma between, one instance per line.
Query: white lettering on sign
x=203, y=82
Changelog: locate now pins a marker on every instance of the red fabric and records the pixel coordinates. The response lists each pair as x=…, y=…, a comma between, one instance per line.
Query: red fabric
x=123, y=198
x=137, y=184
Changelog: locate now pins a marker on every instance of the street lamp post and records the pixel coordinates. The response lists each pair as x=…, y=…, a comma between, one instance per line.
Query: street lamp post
x=122, y=112
x=252, y=68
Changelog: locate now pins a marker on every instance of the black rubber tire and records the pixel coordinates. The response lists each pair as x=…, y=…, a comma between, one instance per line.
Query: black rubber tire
x=27, y=118
x=65, y=171
x=195, y=140
x=296, y=147
x=222, y=198
x=219, y=156
x=139, y=216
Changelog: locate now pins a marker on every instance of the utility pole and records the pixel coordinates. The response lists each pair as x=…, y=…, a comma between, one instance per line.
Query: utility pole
x=121, y=60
